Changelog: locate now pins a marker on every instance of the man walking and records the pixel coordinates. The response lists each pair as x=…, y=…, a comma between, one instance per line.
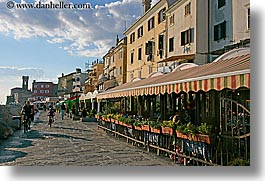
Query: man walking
x=63, y=110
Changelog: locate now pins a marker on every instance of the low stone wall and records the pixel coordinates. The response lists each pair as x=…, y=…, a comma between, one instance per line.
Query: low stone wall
x=7, y=125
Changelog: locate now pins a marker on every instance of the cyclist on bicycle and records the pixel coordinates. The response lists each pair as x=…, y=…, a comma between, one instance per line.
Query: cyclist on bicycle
x=51, y=114
x=27, y=112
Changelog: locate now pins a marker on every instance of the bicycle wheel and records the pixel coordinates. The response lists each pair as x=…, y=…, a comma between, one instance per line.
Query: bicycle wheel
x=50, y=122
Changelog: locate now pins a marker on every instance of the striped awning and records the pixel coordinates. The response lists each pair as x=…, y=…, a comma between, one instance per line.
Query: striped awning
x=231, y=73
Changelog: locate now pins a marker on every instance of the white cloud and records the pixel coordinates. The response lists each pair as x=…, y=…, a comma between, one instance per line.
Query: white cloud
x=20, y=71
x=87, y=32
x=154, y=2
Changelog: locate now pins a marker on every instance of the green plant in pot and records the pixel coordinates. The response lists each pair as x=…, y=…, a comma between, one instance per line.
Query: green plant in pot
x=203, y=129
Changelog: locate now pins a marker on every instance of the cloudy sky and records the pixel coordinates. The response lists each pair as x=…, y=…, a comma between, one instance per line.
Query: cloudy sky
x=44, y=43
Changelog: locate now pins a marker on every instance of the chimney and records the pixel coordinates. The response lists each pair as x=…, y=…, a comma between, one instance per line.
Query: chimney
x=117, y=40
x=146, y=5
x=78, y=70
x=62, y=74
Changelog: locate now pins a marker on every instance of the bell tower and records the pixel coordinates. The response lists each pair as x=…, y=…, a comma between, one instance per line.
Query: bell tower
x=25, y=82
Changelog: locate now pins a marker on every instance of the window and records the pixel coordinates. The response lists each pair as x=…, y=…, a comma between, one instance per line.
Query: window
x=187, y=9
x=120, y=54
x=220, y=31
x=248, y=19
x=35, y=86
x=35, y=91
x=113, y=59
x=140, y=53
x=140, y=32
x=117, y=71
x=132, y=54
x=187, y=36
x=150, y=69
x=160, y=45
x=47, y=86
x=132, y=37
x=120, y=70
x=41, y=86
x=171, y=44
x=41, y=91
x=47, y=91
x=221, y=3
x=149, y=47
x=139, y=73
x=151, y=23
x=161, y=15
x=171, y=20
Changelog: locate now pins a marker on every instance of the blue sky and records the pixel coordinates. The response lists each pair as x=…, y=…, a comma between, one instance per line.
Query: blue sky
x=44, y=43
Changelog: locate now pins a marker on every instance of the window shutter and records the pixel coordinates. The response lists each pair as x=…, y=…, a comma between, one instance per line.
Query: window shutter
x=146, y=48
x=223, y=29
x=215, y=32
x=182, y=38
x=191, y=35
x=161, y=42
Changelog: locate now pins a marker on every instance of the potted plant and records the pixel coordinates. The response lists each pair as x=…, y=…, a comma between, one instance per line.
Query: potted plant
x=116, y=118
x=98, y=115
x=145, y=126
x=204, y=133
x=167, y=127
x=128, y=122
x=137, y=125
x=155, y=127
x=104, y=117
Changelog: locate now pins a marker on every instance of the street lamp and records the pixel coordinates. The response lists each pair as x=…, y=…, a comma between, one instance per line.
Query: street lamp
x=77, y=88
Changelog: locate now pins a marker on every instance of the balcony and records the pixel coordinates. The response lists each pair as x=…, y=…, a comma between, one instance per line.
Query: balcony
x=110, y=84
x=89, y=88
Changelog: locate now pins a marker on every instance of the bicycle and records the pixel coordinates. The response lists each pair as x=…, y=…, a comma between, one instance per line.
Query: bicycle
x=50, y=115
x=26, y=123
x=50, y=121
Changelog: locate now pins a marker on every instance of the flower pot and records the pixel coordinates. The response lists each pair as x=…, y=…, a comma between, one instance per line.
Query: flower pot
x=128, y=125
x=155, y=130
x=182, y=135
x=167, y=130
x=139, y=128
x=205, y=138
x=145, y=127
x=198, y=137
x=116, y=121
x=121, y=123
x=107, y=119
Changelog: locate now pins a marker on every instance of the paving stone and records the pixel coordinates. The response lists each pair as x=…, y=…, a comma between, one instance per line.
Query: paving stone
x=73, y=143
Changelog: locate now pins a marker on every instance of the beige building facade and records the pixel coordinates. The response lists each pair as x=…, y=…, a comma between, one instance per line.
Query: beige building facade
x=115, y=68
x=146, y=41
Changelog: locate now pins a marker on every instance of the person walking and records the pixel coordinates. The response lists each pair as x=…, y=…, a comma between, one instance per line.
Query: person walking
x=62, y=110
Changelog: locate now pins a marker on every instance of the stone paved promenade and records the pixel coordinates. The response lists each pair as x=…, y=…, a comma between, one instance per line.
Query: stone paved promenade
x=72, y=143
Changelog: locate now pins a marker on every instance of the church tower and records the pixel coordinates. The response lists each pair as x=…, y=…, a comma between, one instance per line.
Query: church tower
x=25, y=82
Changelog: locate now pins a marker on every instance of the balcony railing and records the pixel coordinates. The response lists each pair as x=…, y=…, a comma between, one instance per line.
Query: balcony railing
x=110, y=83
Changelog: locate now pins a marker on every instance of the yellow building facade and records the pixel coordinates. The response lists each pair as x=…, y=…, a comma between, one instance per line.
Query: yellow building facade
x=146, y=42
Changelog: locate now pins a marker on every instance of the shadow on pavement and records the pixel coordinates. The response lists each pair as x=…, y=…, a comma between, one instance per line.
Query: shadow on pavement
x=10, y=155
x=72, y=129
x=64, y=136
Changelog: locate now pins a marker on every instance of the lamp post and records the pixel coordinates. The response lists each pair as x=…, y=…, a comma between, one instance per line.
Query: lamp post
x=77, y=88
